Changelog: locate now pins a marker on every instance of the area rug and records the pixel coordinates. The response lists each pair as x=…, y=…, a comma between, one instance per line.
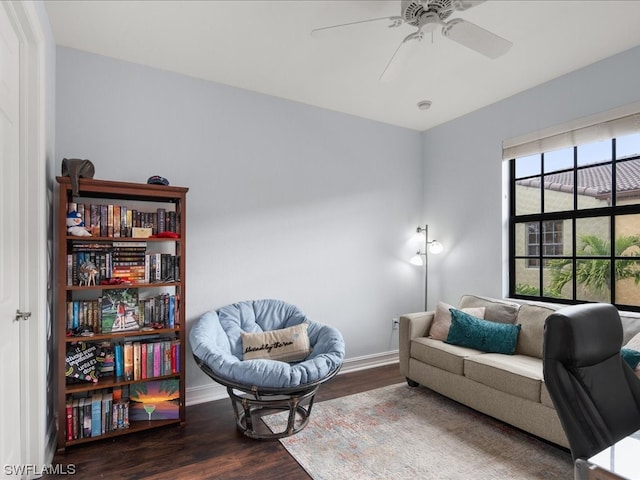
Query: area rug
x=398, y=432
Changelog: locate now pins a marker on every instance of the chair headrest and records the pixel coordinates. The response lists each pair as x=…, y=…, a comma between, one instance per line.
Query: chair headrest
x=583, y=335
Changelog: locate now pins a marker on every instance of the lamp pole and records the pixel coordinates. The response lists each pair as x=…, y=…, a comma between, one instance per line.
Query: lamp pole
x=432, y=246
x=426, y=266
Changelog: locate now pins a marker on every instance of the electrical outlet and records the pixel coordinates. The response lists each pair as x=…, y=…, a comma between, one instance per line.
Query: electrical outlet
x=394, y=323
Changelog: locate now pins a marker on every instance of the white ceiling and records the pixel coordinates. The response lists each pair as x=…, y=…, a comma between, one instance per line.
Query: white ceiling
x=266, y=46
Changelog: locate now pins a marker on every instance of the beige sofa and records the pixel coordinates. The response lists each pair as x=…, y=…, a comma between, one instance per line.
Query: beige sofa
x=508, y=387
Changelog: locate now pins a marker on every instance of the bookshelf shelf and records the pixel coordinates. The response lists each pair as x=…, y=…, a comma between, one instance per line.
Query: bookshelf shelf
x=110, y=383
x=136, y=426
x=149, y=343
x=122, y=335
x=122, y=285
x=122, y=239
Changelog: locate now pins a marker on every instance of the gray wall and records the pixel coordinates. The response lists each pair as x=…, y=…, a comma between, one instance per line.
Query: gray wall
x=286, y=200
x=464, y=188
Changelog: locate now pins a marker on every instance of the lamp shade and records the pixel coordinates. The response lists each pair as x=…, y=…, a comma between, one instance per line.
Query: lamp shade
x=435, y=247
x=417, y=259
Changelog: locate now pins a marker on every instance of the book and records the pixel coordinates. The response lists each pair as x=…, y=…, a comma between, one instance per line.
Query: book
x=104, y=217
x=86, y=418
x=128, y=360
x=161, y=212
x=81, y=401
x=69, y=412
x=119, y=360
x=119, y=311
x=166, y=360
x=75, y=406
x=137, y=367
x=94, y=226
x=117, y=222
x=106, y=360
x=150, y=362
x=157, y=359
x=107, y=398
x=96, y=414
x=109, y=220
x=175, y=356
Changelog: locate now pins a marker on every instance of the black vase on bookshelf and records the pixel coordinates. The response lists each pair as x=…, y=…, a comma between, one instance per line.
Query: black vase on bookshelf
x=120, y=310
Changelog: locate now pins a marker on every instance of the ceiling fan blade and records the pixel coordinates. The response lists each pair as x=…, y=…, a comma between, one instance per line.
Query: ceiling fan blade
x=476, y=38
x=397, y=21
x=461, y=5
x=400, y=57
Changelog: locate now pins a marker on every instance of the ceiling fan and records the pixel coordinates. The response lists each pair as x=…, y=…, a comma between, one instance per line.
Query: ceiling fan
x=427, y=16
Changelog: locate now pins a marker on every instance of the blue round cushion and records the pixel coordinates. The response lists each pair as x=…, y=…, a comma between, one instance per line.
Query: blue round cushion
x=216, y=340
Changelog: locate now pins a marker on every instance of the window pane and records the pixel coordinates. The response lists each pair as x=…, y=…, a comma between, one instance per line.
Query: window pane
x=594, y=237
x=528, y=196
x=558, y=160
x=593, y=279
x=627, y=291
x=594, y=187
x=528, y=166
x=627, y=235
x=521, y=239
x=628, y=182
x=594, y=152
x=558, y=192
x=527, y=279
x=557, y=278
x=628, y=146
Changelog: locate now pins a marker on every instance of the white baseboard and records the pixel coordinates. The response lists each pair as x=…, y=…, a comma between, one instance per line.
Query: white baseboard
x=369, y=361
x=214, y=391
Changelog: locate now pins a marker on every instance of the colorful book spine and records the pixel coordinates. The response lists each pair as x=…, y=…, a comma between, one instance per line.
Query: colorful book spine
x=69, y=412
x=119, y=360
x=143, y=361
x=157, y=359
x=128, y=360
x=96, y=415
x=137, y=367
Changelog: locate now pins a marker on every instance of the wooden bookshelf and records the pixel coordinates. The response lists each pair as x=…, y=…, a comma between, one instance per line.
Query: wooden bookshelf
x=145, y=199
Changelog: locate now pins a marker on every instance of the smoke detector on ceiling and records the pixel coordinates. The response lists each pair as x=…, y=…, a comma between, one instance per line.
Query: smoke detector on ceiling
x=424, y=104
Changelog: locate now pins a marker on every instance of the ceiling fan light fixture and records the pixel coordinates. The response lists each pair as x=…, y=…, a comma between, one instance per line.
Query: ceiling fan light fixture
x=424, y=104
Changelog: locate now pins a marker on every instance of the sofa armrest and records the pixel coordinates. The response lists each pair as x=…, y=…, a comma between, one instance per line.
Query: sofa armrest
x=412, y=325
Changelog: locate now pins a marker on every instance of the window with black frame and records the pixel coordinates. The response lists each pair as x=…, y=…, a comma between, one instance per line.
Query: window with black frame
x=574, y=223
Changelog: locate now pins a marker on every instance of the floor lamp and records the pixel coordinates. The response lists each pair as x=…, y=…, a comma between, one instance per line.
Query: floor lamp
x=422, y=258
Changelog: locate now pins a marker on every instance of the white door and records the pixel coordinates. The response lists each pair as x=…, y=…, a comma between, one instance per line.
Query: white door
x=9, y=248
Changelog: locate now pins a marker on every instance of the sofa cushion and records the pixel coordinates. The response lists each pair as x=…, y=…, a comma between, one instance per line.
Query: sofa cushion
x=634, y=344
x=632, y=357
x=518, y=375
x=442, y=319
x=495, y=310
x=532, y=318
x=441, y=355
x=469, y=331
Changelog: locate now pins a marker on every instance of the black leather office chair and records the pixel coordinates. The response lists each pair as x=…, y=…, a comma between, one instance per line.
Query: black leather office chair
x=594, y=391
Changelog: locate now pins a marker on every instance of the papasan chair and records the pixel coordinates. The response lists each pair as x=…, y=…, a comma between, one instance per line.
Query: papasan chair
x=270, y=356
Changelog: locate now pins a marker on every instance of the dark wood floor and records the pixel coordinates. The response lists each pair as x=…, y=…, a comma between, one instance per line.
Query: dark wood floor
x=209, y=446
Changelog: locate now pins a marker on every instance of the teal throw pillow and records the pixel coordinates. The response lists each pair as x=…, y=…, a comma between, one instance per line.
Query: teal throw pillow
x=632, y=357
x=469, y=331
